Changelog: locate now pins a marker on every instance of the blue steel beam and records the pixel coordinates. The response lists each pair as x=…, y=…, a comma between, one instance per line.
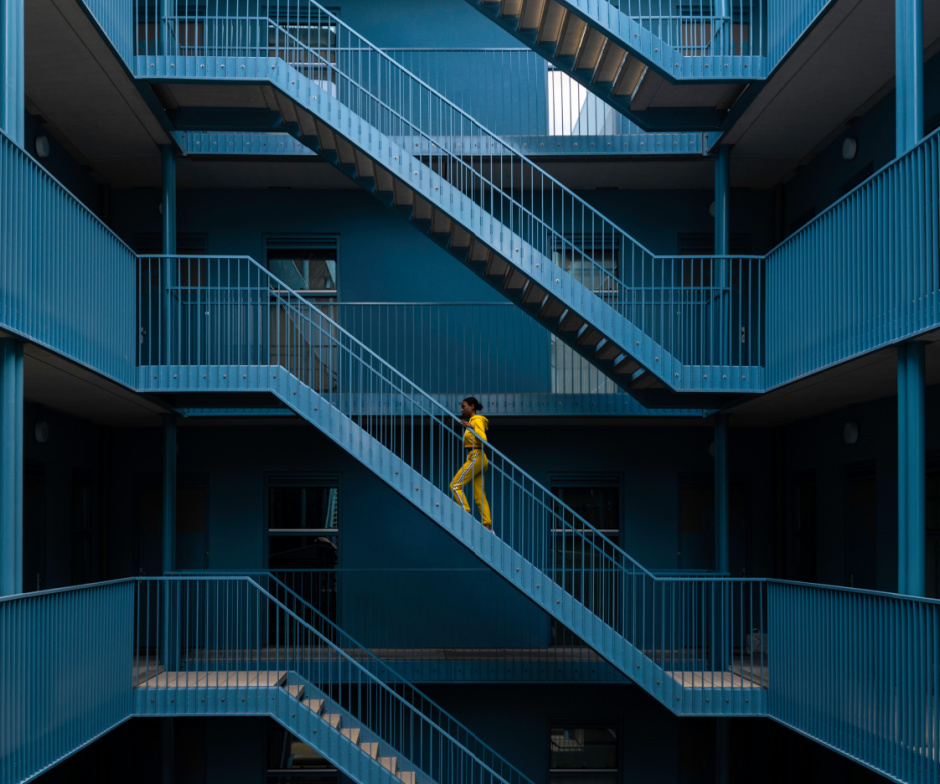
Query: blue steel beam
x=11, y=467
x=12, y=80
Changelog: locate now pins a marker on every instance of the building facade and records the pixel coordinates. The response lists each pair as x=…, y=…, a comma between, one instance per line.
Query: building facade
x=255, y=253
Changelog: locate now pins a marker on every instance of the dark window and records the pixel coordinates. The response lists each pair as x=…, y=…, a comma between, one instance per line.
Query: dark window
x=583, y=755
x=306, y=264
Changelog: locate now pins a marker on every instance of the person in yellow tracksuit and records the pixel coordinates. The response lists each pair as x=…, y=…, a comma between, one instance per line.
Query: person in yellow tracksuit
x=475, y=426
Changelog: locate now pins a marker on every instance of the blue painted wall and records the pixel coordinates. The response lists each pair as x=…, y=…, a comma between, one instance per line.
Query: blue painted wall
x=819, y=183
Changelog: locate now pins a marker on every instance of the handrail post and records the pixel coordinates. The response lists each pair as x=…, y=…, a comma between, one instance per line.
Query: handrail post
x=12, y=62
x=11, y=467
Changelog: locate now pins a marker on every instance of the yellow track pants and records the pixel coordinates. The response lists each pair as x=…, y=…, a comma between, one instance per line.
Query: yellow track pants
x=472, y=470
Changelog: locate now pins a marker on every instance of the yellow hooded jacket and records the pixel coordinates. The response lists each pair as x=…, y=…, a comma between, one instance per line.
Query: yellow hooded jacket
x=479, y=425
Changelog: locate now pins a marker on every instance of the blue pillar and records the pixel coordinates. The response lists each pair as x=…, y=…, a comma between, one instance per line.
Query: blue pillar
x=11, y=467
x=168, y=267
x=169, y=492
x=722, y=559
x=12, y=90
x=909, y=65
x=721, y=277
x=912, y=469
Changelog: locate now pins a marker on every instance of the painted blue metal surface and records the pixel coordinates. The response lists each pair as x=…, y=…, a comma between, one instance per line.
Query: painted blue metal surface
x=49, y=243
x=487, y=632
x=66, y=663
x=519, y=368
x=12, y=70
x=659, y=310
x=241, y=651
x=11, y=466
x=909, y=70
x=858, y=672
x=864, y=274
x=239, y=328
x=912, y=469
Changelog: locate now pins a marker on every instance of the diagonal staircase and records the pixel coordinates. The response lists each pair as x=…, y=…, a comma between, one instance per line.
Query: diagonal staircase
x=234, y=327
x=648, y=322
x=643, y=59
x=226, y=646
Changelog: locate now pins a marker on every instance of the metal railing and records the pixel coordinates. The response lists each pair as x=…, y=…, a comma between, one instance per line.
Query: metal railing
x=695, y=308
x=860, y=672
x=228, y=316
x=486, y=631
x=863, y=274
x=49, y=241
x=541, y=110
x=66, y=662
x=714, y=28
x=208, y=635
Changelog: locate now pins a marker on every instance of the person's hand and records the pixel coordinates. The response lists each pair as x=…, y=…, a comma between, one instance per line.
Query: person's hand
x=465, y=423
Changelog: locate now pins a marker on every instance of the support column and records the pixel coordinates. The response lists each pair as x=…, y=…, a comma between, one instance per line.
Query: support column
x=909, y=81
x=722, y=559
x=11, y=467
x=721, y=327
x=721, y=276
x=12, y=58
x=168, y=276
x=169, y=492
x=912, y=469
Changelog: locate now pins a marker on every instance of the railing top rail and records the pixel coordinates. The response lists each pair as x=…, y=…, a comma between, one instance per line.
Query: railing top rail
x=66, y=589
x=850, y=590
x=852, y=193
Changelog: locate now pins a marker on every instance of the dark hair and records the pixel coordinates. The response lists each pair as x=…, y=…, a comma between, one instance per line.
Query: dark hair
x=477, y=405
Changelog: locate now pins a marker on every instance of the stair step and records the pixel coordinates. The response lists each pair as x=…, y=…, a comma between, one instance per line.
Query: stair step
x=552, y=20
x=352, y=733
x=372, y=749
x=627, y=366
x=609, y=63
x=389, y=763
x=333, y=719
x=607, y=351
x=627, y=81
x=589, y=53
x=645, y=380
x=530, y=18
x=589, y=337
x=296, y=690
x=314, y=704
x=571, y=322
x=408, y=776
x=572, y=34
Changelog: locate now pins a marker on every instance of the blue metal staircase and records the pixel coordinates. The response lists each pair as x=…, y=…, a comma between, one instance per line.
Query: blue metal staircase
x=639, y=58
x=667, y=66
x=648, y=322
x=235, y=327
x=225, y=646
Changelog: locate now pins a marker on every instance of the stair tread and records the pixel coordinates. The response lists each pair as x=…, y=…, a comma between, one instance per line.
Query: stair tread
x=352, y=733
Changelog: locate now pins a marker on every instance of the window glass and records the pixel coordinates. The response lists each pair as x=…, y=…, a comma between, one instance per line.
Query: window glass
x=307, y=270
x=585, y=755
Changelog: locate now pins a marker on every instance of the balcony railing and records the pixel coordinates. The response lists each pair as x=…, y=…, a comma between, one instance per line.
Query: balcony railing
x=66, y=668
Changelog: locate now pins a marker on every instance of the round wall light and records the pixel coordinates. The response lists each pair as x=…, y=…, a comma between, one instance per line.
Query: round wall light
x=850, y=148
x=850, y=433
x=41, y=432
x=42, y=146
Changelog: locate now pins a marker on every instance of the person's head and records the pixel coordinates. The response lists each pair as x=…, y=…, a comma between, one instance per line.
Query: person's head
x=469, y=406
